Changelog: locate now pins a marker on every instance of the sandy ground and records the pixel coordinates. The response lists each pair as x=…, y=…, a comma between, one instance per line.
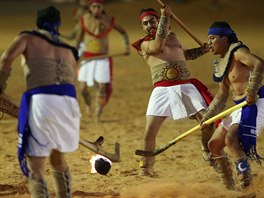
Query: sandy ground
x=182, y=172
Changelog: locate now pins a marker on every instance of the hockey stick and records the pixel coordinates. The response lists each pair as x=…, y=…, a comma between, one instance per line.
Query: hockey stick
x=187, y=133
x=183, y=26
x=9, y=107
x=96, y=148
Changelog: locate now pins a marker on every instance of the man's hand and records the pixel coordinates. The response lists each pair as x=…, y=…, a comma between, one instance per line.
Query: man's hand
x=202, y=124
x=205, y=49
x=2, y=88
x=166, y=11
x=252, y=99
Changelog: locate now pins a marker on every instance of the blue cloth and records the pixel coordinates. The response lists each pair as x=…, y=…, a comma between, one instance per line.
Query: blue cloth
x=23, y=125
x=220, y=31
x=247, y=128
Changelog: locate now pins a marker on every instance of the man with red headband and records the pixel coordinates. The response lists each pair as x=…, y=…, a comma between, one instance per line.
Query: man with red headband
x=95, y=27
x=175, y=95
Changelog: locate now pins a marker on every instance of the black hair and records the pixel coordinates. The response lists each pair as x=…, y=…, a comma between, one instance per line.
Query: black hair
x=148, y=10
x=49, y=15
x=232, y=38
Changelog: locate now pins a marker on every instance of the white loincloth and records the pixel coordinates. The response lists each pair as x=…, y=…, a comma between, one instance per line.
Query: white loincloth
x=95, y=70
x=234, y=117
x=176, y=102
x=55, y=123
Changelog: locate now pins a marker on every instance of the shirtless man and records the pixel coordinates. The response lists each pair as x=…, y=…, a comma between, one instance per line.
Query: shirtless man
x=49, y=117
x=95, y=27
x=240, y=72
x=175, y=95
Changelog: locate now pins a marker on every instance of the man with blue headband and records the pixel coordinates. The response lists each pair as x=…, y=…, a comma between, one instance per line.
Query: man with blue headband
x=240, y=72
x=49, y=116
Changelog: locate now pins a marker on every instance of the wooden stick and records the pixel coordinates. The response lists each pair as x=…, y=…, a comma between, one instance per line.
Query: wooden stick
x=101, y=56
x=183, y=26
x=187, y=133
x=115, y=157
x=5, y=101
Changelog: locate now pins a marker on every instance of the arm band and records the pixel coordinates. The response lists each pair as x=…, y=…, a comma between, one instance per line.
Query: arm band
x=254, y=83
x=162, y=31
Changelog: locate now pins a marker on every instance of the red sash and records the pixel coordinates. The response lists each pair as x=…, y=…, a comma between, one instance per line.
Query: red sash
x=208, y=97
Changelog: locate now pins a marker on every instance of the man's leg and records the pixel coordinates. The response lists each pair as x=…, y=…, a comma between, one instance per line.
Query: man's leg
x=103, y=95
x=243, y=168
x=86, y=95
x=153, y=125
x=223, y=167
x=61, y=175
x=37, y=184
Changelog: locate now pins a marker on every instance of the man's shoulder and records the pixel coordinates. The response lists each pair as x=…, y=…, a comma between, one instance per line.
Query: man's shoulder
x=145, y=40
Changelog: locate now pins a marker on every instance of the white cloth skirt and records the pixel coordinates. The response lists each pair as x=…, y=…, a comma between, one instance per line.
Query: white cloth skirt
x=95, y=70
x=176, y=102
x=55, y=123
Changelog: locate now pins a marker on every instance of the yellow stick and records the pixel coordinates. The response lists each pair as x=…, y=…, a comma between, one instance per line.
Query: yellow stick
x=187, y=133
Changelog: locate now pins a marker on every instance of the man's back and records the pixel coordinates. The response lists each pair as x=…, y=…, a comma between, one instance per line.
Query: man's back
x=39, y=48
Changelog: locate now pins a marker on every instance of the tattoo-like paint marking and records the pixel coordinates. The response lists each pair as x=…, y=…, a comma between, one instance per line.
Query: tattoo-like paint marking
x=162, y=29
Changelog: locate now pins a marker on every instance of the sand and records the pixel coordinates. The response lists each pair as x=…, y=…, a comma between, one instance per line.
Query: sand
x=182, y=171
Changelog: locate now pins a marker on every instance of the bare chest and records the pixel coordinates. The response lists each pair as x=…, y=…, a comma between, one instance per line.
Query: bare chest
x=97, y=26
x=238, y=73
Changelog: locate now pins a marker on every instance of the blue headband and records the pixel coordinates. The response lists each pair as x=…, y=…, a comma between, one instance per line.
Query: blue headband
x=220, y=31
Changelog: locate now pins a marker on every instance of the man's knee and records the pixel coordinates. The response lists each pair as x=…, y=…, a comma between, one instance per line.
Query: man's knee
x=213, y=145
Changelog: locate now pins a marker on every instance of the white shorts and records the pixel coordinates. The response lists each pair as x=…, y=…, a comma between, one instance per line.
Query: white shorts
x=235, y=117
x=176, y=102
x=55, y=123
x=95, y=70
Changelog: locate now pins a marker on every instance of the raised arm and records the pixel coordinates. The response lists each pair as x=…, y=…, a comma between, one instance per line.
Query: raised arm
x=157, y=45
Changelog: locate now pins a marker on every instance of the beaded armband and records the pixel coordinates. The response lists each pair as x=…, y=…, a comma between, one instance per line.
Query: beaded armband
x=254, y=83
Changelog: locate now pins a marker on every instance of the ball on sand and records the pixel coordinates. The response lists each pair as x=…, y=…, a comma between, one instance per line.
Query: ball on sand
x=102, y=166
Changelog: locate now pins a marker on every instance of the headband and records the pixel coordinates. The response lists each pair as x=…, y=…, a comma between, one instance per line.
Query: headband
x=220, y=31
x=148, y=13
x=95, y=1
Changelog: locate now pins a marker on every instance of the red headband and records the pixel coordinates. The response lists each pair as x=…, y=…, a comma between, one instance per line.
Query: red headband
x=95, y=1
x=148, y=13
